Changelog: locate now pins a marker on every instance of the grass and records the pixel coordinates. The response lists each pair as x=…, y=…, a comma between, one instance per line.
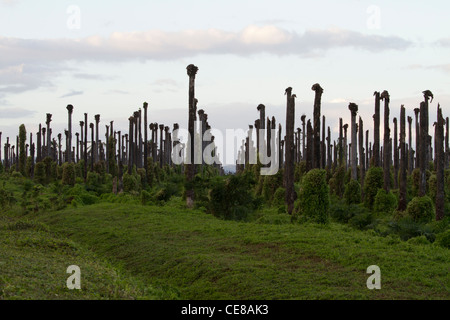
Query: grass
x=33, y=264
x=187, y=254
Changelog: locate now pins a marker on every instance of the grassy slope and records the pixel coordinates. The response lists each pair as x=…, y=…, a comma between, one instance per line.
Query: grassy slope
x=191, y=255
x=33, y=264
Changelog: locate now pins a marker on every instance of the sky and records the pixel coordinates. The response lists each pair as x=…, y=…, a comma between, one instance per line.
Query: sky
x=108, y=57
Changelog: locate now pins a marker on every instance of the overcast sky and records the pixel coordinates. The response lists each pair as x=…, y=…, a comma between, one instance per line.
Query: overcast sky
x=109, y=57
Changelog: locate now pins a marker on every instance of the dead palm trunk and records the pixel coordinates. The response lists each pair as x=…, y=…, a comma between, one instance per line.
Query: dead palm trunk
x=262, y=126
x=85, y=144
x=329, y=149
x=345, y=146
x=69, y=143
x=376, y=131
x=303, y=118
x=130, y=145
x=81, y=139
x=341, y=143
x=410, y=152
x=309, y=147
x=39, y=147
x=317, y=104
x=440, y=177
x=424, y=148
x=395, y=155
x=416, y=113
x=386, y=142
x=161, y=128
x=362, y=157
x=322, y=145
x=402, y=184
x=446, y=144
x=190, y=172
x=97, y=142
x=280, y=151
x=145, y=138
x=78, y=146
x=91, y=125
x=289, y=151
x=59, y=149
x=353, y=110
x=49, y=119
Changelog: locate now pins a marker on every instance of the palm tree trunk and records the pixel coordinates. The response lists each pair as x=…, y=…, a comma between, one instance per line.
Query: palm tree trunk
x=416, y=113
x=376, y=131
x=395, y=155
x=190, y=172
x=403, y=157
x=353, y=110
x=386, y=143
x=440, y=193
x=289, y=151
x=317, y=104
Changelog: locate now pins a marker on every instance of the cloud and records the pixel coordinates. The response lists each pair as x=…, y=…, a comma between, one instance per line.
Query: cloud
x=163, y=45
x=116, y=91
x=9, y=2
x=71, y=94
x=439, y=67
x=88, y=76
x=14, y=113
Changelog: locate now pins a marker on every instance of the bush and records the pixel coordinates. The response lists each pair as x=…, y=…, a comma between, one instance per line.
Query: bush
x=384, y=203
x=39, y=173
x=419, y=240
x=68, y=174
x=342, y=212
x=352, y=194
x=407, y=228
x=279, y=197
x=362, y=218
x=443, y=239
x=232, y=198
x=131, y=182
x=146, y=197
x=314, y=198
x=420, y=209
x=337, y=186
x=271, y=184
x=372, y=183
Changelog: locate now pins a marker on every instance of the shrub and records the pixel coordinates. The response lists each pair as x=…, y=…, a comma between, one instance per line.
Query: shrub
x=39, y=173
x=131, y=182
x=372, y=183
x=384, y=203
x=232, y=198
x=68, y=174
x=443, y=239
x=341, y=212
x=352, y=194
x=419, y=240
x=314, y=198
x=271, y=184
x=146, y=197
x=362, y=218
x=420, y=209
x=432, y=187
x=407, y=228
x=279, y=197
x=336, y=183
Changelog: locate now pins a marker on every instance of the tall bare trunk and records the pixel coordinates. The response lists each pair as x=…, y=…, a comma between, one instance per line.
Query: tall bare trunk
x=416, y=113
x=376, y=131
x=386, y=142
x=353, y=110
x=395, y=155
x=317, y=104
x=403, y=156
x=191, y=71
x=289, y=151
x=440, y=193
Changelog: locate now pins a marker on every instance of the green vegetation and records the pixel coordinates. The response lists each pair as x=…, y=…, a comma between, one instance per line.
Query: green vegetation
x=237, y=243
